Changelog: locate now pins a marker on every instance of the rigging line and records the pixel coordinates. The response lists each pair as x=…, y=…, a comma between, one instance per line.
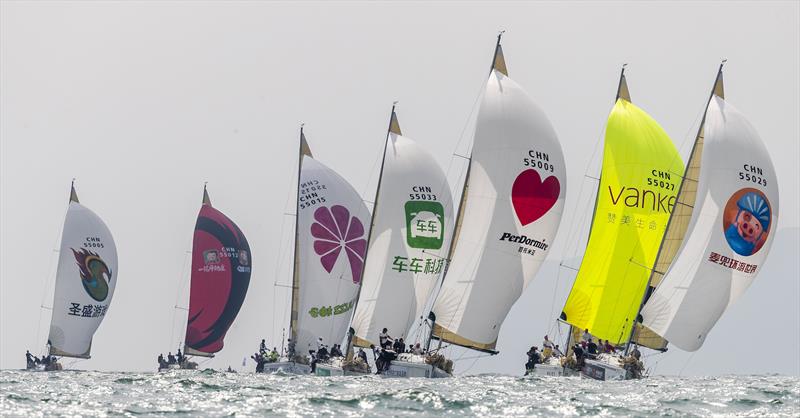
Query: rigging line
x=478, y=356
x=449, y=171
x=680, y=373
x=553, y=299
x=50, y=279
x=372, y=174
x=180, y=291
x=445, y=183
x=280, y=257
x=577, y=228
x=471, y=365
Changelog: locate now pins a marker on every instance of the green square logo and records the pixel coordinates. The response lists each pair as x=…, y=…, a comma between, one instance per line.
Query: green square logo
x=424, y=224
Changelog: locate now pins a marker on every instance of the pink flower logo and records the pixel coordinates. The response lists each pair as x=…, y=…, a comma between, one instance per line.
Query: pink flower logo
x=335, y=229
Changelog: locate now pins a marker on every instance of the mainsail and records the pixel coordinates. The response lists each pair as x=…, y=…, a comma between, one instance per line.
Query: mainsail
x=85, y=281
x=330, y=246
x=221, y=264
x=730, y=230
x=640, y=177
x=411, y=225
x=510, y=210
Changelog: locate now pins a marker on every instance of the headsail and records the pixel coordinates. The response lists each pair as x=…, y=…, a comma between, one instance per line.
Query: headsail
x=221, y=264
x=85, y=281
x=730, y=232
x=412, y=223
x=640, y=176
x=330, y=248
x=677, y=225
x=510, y=211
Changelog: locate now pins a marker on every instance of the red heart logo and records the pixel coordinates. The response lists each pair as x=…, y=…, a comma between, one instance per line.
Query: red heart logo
x=532, y=197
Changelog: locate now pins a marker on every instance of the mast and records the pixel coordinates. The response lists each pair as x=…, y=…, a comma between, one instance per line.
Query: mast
x=303, y=150
x=498, y=64
x=696, y=153
x=394, y=128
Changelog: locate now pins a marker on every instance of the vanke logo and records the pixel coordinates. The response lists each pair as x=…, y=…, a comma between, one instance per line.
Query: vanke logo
x=644, y=199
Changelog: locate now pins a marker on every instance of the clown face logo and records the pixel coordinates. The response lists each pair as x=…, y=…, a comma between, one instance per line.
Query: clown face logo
x=746, y=221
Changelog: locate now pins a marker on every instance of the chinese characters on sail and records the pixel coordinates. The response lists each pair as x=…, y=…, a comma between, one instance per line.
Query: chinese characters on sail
x=731, y=263
x=86, y=311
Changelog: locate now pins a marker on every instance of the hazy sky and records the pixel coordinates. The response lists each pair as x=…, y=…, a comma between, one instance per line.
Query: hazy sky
x=142, y=102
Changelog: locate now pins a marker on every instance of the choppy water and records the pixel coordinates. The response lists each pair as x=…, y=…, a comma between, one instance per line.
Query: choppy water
x=209, y=393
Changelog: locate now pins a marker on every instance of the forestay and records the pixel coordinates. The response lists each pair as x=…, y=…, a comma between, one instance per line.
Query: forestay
x=85, y=281
x=331, y=242
x=509, y=213
x=221, y=265
x=640, y=177
x=730, y=233
x=411, y=230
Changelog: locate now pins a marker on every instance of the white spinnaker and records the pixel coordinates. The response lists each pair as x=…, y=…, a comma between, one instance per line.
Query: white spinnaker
x=79, y=305
x=327, y=288
x=411, y=234
x=705, y=277
x=491, y=265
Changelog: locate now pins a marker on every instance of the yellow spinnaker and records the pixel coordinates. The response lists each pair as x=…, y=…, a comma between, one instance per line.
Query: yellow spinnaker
x=641, y=174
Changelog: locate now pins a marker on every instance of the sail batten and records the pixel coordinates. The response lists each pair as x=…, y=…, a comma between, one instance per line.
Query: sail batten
x=622, y=89
x=73, y=195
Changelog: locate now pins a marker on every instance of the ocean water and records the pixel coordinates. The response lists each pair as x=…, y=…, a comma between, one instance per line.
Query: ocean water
x=211, y=393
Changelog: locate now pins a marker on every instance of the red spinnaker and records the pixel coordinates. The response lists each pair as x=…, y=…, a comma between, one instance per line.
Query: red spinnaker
x=221, y=264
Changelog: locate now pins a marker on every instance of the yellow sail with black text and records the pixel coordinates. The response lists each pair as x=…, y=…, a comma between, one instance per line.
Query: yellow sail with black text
x=640, y=177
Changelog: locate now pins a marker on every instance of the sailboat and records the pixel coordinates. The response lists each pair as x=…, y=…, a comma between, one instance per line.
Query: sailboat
x=412, y=220
x=509, y=212
x=639, y=181
x=329, y=249
x=221, y=266
x=85, y=283
x=729, y=205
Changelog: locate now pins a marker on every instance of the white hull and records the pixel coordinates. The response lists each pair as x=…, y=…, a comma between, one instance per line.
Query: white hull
x=288, y=367
x=552, y=370
x=42, y=368
x=400, y=368
x=332, y=370
x=604, y=368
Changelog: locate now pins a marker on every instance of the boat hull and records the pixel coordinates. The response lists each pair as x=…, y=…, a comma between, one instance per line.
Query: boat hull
x=288, y=367
x=400, y=368
x=42, y=368
x=331, y=370
x=552, y=370
x=600, y=370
